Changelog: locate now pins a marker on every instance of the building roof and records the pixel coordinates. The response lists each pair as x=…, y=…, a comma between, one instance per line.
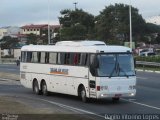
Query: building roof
x=40, y=26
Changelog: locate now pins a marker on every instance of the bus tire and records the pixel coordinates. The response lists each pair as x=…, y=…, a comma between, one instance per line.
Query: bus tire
x=36, y=87
x=83, y=95
x=44, y=88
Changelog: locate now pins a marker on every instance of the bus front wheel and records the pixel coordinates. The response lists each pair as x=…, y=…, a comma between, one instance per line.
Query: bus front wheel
x=83, y=95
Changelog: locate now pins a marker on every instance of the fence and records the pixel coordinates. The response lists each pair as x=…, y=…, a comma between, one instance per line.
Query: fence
x=148, y=65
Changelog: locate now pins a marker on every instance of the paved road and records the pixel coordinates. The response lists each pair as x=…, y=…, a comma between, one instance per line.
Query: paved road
x=147, y=100
x=9, y=68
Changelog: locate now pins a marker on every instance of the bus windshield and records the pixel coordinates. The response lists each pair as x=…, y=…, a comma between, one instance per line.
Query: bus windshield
x=115, y=65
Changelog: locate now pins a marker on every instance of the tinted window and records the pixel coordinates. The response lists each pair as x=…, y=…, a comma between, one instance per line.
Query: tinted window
x=34, y=57
x=46, y=57
x=42, y=60
x=23, y=56
x=29, y=56
x=52, y=58
x=67, y=58
x=83, y=59
x=61, y=57
x=39, y=57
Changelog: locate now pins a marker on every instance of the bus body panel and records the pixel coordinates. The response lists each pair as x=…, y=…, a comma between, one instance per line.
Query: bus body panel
x=116, y=87
x=56, y=82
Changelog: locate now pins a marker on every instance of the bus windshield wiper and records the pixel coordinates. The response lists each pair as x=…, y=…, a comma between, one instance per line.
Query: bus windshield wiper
x=114, y=69
x=120, y=69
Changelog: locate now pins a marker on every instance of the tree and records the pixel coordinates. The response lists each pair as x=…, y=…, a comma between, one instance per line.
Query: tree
x=8, y=42
x=113, y=23
x=76, y=25
x=158, y=38
x=32, y=39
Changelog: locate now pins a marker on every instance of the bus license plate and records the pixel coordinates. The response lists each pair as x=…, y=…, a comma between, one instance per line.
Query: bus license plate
x=118, y=95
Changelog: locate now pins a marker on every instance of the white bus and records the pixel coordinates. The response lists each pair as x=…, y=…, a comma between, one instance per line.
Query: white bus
x=88, y=69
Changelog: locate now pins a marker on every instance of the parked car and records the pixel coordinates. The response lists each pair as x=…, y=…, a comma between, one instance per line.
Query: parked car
x=147, y=54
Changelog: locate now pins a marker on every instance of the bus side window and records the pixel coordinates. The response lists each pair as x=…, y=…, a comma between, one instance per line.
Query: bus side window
x=39, y=57
x=42, y=57
x=67, y=58
x=61, y=58
x=83, y=59
x=71, y=60
x=47, y=57
x=53, y=58
x=77, y=58
x=92, y=58
x=34, y=57
x=23, y=56
x=29, y=56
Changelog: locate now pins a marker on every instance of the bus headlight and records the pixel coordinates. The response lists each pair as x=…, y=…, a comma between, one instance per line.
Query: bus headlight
x=132, y=94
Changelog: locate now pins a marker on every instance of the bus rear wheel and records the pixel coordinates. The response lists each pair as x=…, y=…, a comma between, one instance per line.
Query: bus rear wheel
x=83, y=95
x=36, y=88
x=44, y=88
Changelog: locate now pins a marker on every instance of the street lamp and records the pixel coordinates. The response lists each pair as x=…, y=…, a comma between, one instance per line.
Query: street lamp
x=130, y=23
x=75, y=3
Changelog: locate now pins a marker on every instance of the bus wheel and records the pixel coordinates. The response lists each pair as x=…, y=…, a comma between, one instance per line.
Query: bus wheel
x=44, y=88
x=115, y=99
x=83, y=95
x=36, y=88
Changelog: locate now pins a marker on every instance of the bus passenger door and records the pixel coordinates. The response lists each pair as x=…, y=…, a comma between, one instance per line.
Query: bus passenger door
x=92, y=78
x=92, y=86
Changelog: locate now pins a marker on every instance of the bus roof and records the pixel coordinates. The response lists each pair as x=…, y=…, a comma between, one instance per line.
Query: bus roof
x=82, y=46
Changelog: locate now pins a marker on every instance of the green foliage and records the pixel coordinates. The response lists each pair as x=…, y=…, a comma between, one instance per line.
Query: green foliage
x=158, y=38
x=32, y=39
x=148, y=58
x=111, y=26
x=152, y=28
x=113, y=23
x=76, y=25
x=8, y=42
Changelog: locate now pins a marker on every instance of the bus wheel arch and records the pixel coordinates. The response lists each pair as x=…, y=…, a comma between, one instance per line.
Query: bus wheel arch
x=82, y=93
x=35, y=87
x=44, y=87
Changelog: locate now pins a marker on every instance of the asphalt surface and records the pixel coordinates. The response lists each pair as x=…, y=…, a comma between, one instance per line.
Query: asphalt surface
x=9, y=68
x=147, y=100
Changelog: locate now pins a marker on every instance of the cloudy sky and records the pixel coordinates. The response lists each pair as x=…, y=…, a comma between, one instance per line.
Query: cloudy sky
x=22, y=12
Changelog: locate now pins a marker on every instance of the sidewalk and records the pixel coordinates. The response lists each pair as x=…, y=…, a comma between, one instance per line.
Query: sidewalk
x=9, y=76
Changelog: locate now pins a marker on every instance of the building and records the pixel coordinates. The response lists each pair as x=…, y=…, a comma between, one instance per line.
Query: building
x=38, y=29
x=3, y=31
x=9, y=31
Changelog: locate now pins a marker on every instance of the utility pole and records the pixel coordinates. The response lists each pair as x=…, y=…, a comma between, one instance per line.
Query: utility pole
x=49, y=39
x=130, y=23
x=75, y=3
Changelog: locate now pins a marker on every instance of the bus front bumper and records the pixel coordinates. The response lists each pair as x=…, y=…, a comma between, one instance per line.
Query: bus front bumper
x=115, y=95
